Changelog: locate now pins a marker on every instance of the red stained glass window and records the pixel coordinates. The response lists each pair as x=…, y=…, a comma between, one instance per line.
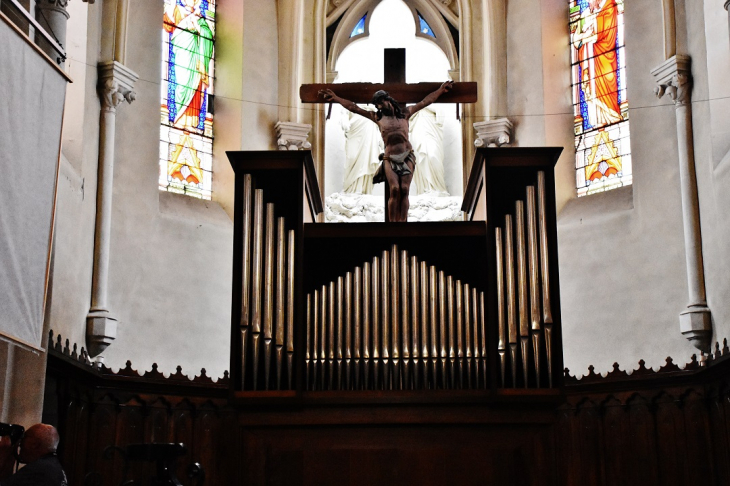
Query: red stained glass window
x=602, y=148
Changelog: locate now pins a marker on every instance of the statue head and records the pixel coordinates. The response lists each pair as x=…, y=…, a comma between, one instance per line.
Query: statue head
x=386, y=105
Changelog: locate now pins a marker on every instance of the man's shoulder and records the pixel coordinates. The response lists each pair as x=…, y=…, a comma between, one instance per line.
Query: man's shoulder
x=46, y=471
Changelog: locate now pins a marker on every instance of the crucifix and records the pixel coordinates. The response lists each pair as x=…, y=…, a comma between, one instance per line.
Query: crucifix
x=392, y=119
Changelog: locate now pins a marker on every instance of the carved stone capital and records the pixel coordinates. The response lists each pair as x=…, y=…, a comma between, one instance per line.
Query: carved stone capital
x=727, y=5
x=116, y=84
x=57, y=6
x=674, y=78
x=51, y=4
x=493, y=133
x=293, y=136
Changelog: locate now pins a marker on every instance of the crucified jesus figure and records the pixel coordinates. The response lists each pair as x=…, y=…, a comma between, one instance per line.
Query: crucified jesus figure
x=399, y=161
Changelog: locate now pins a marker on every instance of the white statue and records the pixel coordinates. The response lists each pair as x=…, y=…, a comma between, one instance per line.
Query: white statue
x=363, y=144
x=427, y=138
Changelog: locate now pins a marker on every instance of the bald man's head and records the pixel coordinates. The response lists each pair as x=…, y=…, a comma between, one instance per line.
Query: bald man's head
x=38, y=441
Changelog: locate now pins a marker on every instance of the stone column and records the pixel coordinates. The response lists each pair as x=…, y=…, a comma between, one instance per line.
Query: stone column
x=115, y=85
x=674, y=78
x=292, y=136
x=52, y=16
x=493, y=133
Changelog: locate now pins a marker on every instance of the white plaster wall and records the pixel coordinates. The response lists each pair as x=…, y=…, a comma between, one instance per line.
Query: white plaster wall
x=70, y=293
x=709, y=46
x=524, y=74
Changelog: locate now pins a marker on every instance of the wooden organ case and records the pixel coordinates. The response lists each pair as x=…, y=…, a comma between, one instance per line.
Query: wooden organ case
x=396, y=353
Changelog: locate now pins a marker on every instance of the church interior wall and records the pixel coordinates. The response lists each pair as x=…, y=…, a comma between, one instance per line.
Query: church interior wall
x=524, y=76
x=622, y=259
x=708, y=42
x=69, y=295
x=623, y=275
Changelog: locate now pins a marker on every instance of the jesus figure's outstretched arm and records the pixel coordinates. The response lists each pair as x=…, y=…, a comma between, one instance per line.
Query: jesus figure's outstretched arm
x=330, y=95
x=430, y=98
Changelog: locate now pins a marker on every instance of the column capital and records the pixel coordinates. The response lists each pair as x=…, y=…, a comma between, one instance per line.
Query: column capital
x=53, y=4
x=116, y=84
x=493, y=133
x=727, y=5
x=674, y=78
x=292, y=136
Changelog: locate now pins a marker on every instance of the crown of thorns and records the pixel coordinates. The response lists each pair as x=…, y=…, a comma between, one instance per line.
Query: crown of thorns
x=380, y=96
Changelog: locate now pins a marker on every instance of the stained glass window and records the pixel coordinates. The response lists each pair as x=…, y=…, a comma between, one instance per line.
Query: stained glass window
x=359, y=28
x=186, y=131
x=602, y=149
x=423, y=25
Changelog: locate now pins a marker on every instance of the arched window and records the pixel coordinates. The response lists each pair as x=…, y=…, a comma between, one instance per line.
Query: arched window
x=602, y=148
x=186, y=132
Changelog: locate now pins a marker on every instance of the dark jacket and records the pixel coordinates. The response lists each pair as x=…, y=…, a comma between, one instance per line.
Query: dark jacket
x=46, y=471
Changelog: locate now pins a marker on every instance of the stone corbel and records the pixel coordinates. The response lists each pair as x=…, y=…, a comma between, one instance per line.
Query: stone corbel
x=293, y=136
x=116, y=84
x=493, y=133
x=674, y=78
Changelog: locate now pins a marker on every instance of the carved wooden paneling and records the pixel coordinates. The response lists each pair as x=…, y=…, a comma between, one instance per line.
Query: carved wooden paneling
x=642, y=467
x=668, y=427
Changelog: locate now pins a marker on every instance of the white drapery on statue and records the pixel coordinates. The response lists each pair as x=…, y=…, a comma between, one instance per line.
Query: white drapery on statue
x=427, y=138
x=363, y=144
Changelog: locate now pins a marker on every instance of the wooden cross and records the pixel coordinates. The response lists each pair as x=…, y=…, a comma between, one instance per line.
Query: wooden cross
x=395, y=84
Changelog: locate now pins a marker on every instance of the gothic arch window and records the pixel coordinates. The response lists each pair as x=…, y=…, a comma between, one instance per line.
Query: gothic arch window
x=602, y=144
x=186, y=131
x=348, y=25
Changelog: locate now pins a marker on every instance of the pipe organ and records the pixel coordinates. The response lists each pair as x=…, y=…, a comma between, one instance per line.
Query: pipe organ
x=267, y=309
x=344, y=321
x=523, y=298
x=466, y=307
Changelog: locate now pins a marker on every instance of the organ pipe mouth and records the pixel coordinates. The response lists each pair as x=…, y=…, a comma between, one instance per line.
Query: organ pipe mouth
x=398, y=323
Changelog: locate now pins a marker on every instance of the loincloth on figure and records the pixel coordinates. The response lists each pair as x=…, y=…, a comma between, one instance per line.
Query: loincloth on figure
x=398, y=162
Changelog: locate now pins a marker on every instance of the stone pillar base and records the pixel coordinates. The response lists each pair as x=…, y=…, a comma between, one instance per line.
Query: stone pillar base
x=293, y=136
x=493, y=133
x=695, y=323
x=101, y=331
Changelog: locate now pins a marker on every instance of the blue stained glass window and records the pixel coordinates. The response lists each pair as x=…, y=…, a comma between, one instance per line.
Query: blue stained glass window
x=424, y=27
x=360, y=27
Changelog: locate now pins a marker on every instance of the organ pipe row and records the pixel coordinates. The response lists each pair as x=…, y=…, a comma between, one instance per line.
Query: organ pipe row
x=395, y=323
x=267, y=288
x=523, y=290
